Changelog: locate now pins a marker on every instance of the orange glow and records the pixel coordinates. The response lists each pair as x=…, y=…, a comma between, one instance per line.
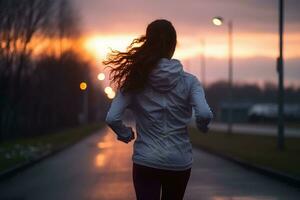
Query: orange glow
x=100, y=160
x=100, y=46
x=52, y=45
x=83, y=86
x=103, y=145
x=246, y=45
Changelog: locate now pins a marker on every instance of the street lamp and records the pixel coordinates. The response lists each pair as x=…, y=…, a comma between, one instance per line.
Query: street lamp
x=108, y=90
x=203, y=67
x=280, y=70
x=111, y=95
x=101, y=76
x=84, y=88
x=218, y=21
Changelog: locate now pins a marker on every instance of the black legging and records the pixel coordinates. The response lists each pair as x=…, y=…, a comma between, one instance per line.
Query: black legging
x=150, y=182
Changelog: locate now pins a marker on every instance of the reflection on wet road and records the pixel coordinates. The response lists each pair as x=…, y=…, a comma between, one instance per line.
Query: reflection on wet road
x=99, y=168
x=113, y=162
x=213, y=178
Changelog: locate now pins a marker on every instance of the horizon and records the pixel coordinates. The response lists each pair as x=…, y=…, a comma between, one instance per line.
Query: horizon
x=114, y=24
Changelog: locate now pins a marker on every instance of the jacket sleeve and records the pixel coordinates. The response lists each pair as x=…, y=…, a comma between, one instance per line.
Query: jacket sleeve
x=197, y=99
x=114, y=116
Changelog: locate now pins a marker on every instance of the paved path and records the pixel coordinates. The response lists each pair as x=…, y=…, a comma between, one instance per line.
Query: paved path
x=99, y=168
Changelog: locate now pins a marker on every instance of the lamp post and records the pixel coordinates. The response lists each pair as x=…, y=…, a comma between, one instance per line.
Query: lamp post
x=101, y=76
x=203, y=63
x=218, y=21
x=109, y=92
x=280, y=70
x=84, y=116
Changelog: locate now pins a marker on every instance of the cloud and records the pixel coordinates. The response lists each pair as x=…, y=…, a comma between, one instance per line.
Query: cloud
x=255, y=30
x=188, y=16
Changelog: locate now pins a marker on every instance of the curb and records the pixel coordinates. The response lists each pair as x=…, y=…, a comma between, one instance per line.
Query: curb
x=8, y=173
x=280, y=176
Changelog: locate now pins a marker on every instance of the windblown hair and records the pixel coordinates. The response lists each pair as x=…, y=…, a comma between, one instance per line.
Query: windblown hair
x=130, y=70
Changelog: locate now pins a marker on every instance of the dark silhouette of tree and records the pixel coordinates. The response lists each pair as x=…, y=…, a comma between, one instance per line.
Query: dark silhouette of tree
x=20, y=21
x=216, y=94
x=66, y=22
x=41, y=93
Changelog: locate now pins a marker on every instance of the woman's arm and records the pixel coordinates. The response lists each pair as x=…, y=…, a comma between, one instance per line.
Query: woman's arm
x=114, y=117
x=203, y=113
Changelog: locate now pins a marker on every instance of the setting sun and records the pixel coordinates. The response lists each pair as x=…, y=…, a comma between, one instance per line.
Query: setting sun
x=246, y=46
x=101, y=46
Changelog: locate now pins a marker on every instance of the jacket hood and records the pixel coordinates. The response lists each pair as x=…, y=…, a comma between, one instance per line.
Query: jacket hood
x=166, y=74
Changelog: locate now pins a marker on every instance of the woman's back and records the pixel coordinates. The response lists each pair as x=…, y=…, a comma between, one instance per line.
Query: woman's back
x=162, y=111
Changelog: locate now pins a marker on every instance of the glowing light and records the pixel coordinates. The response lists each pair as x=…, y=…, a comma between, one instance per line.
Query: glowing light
x=101, y=76
x=103, y=145
x=218, y=21
x=100, y=46
x=246, y=45
x=111, y=95
x=108, y=90
x=83, y=86
x=100, y=160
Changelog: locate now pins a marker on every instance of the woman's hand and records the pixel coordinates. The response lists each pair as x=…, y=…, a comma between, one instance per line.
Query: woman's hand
x=127, y=139
x=203, y=125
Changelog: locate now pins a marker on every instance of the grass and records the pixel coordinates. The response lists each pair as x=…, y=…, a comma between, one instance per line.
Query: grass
x=295, y=125
x=18, y=151
x=255, y=149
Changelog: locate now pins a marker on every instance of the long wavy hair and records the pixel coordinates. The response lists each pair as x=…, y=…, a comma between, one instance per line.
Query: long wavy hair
x=130, y=70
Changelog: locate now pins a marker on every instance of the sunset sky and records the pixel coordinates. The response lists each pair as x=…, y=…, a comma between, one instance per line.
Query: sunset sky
x=114, y=23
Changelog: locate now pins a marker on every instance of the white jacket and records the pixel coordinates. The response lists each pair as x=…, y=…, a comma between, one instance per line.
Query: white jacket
x=162, y=111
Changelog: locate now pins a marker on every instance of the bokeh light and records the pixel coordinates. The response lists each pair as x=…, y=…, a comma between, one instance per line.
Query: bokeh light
x=108, y=90
x=111, y=95
x=83, y=86
x=218, y=21
x=101, y=76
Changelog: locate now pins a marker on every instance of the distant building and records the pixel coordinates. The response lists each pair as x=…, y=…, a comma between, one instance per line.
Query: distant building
x=268, y=112
x=239, y=111
x=260, y=112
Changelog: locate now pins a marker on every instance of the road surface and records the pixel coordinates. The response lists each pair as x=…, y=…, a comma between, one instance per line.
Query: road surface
x=99, y=168
x=255, y=129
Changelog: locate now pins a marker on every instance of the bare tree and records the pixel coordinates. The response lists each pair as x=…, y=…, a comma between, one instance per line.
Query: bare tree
x=67, y=22
x=20, y=21
x=39, y=94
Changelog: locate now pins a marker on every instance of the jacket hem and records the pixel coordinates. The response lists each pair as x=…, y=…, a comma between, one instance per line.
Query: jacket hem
x=159, y=166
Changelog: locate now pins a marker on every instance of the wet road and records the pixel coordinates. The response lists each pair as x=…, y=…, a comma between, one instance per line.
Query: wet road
x=256, y=129
x=252, y=129
x=99, y=167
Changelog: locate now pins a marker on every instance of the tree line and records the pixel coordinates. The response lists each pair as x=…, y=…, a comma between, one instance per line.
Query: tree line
x=39, y=87
x=217, y=93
